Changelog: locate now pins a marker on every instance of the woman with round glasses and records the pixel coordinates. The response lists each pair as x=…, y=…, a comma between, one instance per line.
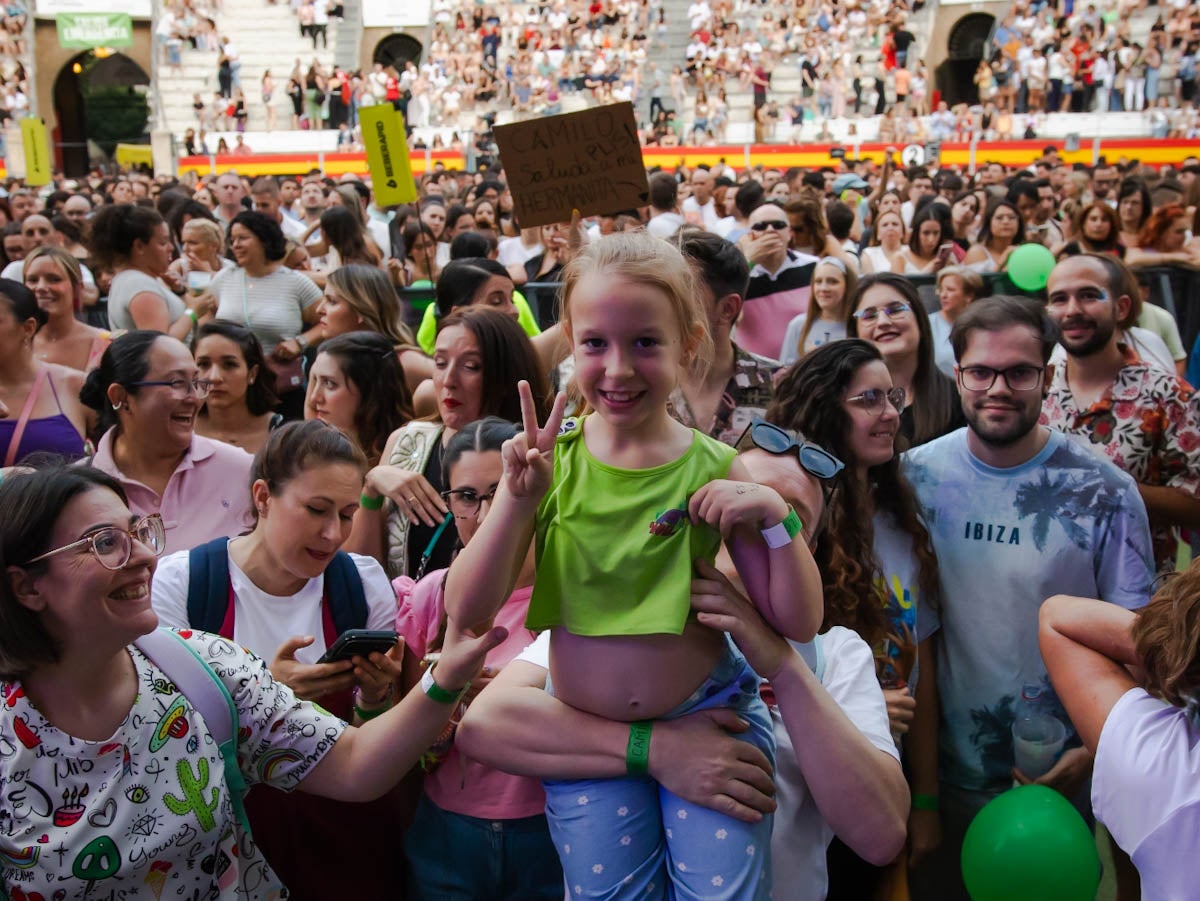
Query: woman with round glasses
x=147, y=393
x=146, y=799
x=463, y=800
x=887, y=312
x=877, y=564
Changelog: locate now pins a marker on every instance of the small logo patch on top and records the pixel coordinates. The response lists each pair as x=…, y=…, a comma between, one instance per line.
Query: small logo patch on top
x=669, y=523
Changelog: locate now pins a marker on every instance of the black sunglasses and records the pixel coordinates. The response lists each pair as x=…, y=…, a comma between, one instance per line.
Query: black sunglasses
x=774, y=223
x=775, y=440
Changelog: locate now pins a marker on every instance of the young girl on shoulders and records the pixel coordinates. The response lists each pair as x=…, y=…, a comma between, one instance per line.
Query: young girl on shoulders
x=623, y=502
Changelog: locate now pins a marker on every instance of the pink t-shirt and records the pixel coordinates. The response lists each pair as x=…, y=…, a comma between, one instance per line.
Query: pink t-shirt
x=207, y=497
x=461, y=785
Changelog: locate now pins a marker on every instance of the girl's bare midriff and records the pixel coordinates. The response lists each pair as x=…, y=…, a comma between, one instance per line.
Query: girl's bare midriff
x=632, y=677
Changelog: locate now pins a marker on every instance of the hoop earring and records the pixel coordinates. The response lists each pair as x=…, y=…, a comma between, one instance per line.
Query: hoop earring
x=117, y=406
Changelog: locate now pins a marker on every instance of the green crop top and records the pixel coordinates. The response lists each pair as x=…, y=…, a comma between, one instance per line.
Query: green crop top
x=615, y=547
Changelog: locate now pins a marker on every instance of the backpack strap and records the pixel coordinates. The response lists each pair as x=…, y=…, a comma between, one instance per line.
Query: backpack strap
x=204, y=690
x=208, y=586
x=345, y=598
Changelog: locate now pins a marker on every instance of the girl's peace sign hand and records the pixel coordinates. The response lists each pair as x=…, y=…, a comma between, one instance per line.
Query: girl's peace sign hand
x=529, y=456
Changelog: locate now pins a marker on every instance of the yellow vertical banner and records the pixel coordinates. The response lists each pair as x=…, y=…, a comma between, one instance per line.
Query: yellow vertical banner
x=387, y=154
x=37, y=152
x=130, y=155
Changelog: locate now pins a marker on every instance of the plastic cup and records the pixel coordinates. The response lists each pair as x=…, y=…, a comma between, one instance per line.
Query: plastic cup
x=198, y=282
x=1037, y=742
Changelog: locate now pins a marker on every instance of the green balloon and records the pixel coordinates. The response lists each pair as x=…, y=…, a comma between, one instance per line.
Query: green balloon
x=1030, y=844
x=1029, y=267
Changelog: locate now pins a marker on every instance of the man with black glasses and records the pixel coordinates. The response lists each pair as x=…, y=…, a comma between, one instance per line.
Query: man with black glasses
x=780, y=281
x=1105, y=179
x=1017, y=513
x=1145, y=420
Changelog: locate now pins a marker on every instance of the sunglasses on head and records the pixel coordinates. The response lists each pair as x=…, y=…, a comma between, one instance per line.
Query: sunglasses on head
x=774, y=223
x=775, y=440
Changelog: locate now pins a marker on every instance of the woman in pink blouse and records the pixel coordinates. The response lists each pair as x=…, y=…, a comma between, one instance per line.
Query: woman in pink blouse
x=465, y=805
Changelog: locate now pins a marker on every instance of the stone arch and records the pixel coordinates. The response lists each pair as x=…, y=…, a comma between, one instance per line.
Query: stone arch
x=112, y=70
x=965, y=47
x=396, y=50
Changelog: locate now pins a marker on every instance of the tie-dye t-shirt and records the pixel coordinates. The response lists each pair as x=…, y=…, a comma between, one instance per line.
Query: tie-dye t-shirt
x=146, y=814
x=1065, y=522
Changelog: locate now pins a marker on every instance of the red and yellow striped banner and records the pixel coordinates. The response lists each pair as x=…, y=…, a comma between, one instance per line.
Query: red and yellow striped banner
x=1149, y=151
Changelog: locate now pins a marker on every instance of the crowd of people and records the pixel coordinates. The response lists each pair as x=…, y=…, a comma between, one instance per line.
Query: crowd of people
x=856, y=60
x=1091, y=60
x=14, y=58
x=782, y=455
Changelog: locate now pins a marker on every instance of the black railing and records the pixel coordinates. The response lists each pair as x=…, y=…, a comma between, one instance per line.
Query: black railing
x=542, y=298
x=1171, y=287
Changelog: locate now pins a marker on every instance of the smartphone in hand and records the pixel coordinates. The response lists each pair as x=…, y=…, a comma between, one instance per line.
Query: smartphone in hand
x=360, y=643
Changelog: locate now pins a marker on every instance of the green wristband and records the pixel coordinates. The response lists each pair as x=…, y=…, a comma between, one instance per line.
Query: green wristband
x=637, y=752
x=782, y=533
x=365, y=715
x=924, y=802
x=435, y=692
x=370, y=503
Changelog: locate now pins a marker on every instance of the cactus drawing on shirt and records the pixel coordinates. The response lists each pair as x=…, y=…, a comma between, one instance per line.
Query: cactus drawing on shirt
x=193, y=794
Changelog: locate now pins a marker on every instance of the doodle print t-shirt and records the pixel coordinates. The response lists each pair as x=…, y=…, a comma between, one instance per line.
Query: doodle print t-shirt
x=146, y=813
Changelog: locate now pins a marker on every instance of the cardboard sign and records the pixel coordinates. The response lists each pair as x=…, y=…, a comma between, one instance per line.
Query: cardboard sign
x=589, y=161
x=387, y=155
x=37, y=152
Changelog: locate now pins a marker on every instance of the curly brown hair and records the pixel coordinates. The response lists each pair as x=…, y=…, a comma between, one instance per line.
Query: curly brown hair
x=1167, y=637
x=809, y=400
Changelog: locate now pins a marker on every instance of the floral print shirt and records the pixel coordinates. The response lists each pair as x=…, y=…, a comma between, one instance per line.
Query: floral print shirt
x=746, y=398
x=1147, y=423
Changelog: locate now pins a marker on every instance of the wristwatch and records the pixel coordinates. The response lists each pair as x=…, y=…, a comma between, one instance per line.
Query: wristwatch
x=302, y=342
x=781, y=534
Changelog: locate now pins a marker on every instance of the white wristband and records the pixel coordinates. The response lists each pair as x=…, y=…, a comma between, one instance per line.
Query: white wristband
x=782, y=533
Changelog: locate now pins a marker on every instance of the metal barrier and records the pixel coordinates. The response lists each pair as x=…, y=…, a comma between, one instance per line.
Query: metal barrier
x=1172, y=288
x=542, y=298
